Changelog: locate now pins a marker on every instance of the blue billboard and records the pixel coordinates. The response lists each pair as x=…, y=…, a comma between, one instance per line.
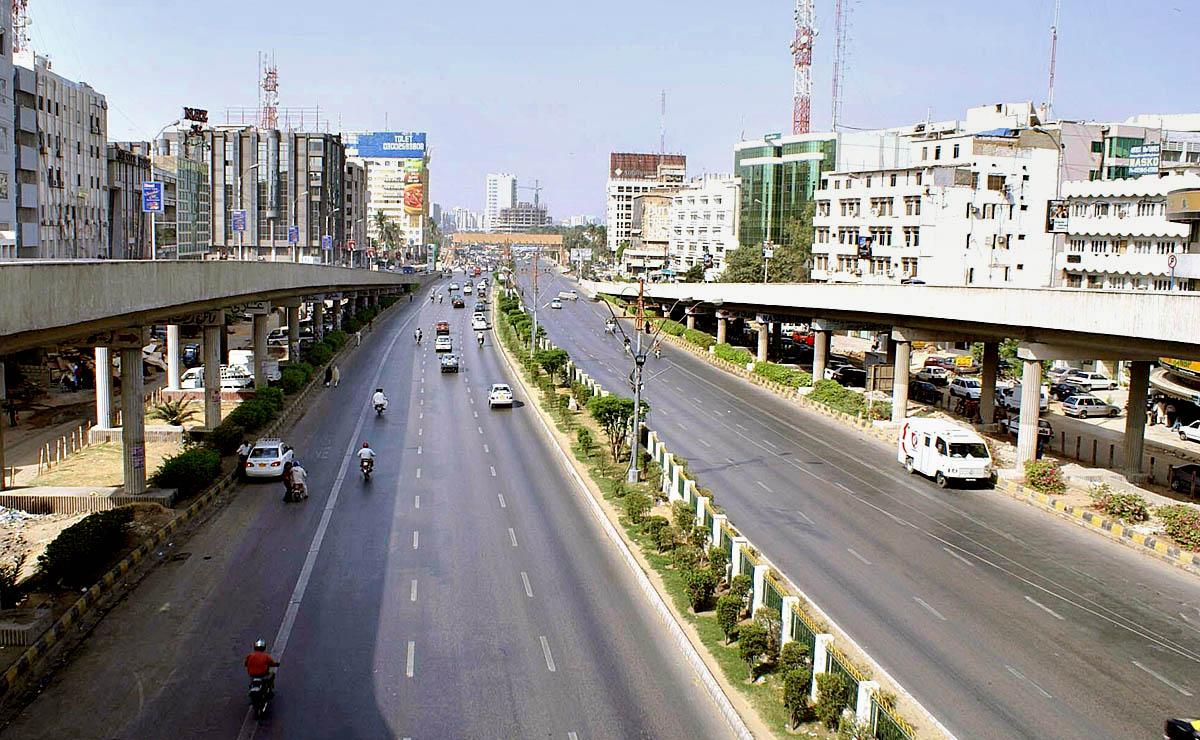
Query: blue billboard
x=377, y=144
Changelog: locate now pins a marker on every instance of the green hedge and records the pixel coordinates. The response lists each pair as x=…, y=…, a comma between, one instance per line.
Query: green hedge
x=788, y=376
x=191, y=471
x=318, y=354
x=699, y=338
x=1182, y=523
x=736, y=355
x=272, y=397
x=335, y=340
x=292, y=379
x=674, y=328
x=226, y=436
x=843, y=399
x=82, y=552
x=252, y=414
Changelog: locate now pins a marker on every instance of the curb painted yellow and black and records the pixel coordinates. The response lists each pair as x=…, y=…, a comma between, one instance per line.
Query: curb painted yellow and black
x=16, y=674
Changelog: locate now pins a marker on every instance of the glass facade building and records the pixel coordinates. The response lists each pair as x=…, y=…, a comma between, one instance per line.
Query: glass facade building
x=778, y=178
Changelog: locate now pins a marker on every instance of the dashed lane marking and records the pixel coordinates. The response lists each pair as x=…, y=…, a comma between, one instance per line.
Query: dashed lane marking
x=528, y=588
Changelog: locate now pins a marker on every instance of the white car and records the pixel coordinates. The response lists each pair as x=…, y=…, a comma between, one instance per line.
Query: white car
x=1191, y=432
x=568, y=295
x=832, y=368
x=555, y=303
x=443, y=344
x=267, y=458
x=935, y=375
x=467, y=289
x=1093, y=381
x=482, y=286
x=453, y=287
x=500, y=395
x=233, y=377
x=479, y=323
x=1010, y=398
x=966, y=388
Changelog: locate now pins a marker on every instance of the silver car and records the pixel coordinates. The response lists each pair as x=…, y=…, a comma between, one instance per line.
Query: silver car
x=1088, y=405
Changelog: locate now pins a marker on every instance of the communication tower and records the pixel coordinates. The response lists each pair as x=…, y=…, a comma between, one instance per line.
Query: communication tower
x=802, y=48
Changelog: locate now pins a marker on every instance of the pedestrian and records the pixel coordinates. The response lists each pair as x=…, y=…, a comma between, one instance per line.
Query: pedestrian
x=243, y=453
x=11, y=407
x=328, y=374
x=371, y=324
x=337, y=375
x=287, y=480
x=1157, y=417
x=1170, y=414
x=358, y=338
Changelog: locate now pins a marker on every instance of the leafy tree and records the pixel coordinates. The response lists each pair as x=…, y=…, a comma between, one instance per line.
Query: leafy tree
x=833, y=696
x=752, y=643
x=796, y=682
x=176, y=413
x=636, y=506
x=729, y=613
x=790, y=261
x=793, y=655
x=694, y=274
x=769, y=619
x=682, y=515
x=553, y=361
x=717, y=560
x=700, y=583
x=740, y=586
x=613, y=414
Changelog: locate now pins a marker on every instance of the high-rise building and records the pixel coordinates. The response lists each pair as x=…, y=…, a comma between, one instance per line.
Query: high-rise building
x=8, y=134
x=521, y=218
x=291, y=185
x=628, y=175
x=704, y=224
x=128, y=227
x=466, y=220
x=181, y=162
x=62, y=164
x=397, y=165
x=356, y=214
x=501, y=193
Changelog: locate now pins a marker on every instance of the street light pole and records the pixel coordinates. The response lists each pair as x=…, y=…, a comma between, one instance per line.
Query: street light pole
x=639, y=361
x=153, y=220
x=328, y=217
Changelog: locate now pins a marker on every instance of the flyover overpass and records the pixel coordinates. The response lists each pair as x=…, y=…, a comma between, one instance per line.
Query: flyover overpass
x=109, y=305
x=1138, y=326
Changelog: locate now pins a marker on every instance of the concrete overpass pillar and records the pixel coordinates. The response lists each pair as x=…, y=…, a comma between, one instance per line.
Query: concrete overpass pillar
x=260, y=349
x=721, y=325
x=820, y=354
x=1135, y=419
x=1031, y=394
x=318, y=314
x=212, y=372
x=987, y=379
x=691, y=321
x=3, y=399
x=764, y=337
x=293, y=322
x=173, y=357
x=104, y=414
x=337, y=313
x=900, y=380
x=133, y=421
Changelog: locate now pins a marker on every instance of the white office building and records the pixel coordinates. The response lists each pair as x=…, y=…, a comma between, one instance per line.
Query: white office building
x=1118, y=238
x=8, y=139
x=465, y=219
x=501, y=194
x=629, y=175
x=703, y=224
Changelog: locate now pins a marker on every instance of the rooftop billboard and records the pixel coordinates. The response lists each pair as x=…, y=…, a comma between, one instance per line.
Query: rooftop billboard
x=380, y=144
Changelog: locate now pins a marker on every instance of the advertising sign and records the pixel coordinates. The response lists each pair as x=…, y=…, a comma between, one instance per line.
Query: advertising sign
x=1057, y=212
x=380, y=144
x=293, y=235
x=1143, y=159
x=239, y=220
x=414, y=189
x=581, y=254
x=864, y=246
x=152, y=197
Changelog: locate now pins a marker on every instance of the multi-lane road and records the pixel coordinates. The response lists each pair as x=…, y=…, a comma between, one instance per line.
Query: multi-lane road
x=1002, y=621
x=465, y=591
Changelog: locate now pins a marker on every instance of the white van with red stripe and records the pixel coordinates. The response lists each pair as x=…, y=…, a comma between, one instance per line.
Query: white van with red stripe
x=945, y=452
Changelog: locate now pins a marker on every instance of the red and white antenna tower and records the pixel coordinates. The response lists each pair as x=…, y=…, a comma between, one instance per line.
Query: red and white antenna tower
x=839, y=60
x=20, y=24
x=270, y=93
x=802, y=48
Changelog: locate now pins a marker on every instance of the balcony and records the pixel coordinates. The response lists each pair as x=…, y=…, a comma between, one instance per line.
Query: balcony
x=1186, y=265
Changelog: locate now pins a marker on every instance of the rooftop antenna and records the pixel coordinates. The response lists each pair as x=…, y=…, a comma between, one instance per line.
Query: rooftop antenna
x=269, y=92
x=802, y=47
x=840, y=25
x=662, y=125
x=1053, y=60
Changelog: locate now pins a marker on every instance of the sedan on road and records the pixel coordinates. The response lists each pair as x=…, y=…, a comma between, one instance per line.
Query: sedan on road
x=458, y=302
x=500, y=395
x=449, y=364
x=479, y=323
x=267, y=459
x=1191, y=432
x=966, y=388
x=555, y=303
x=1087, y=405
x=934, y=374
x=443, y=344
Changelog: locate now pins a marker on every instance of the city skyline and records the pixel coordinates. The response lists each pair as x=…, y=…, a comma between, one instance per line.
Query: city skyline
x=590, y=94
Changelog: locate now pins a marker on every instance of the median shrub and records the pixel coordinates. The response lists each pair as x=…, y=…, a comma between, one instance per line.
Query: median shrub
x=737, y=355
x=636, y=506
x=226, y=436
x=699, y=338
x=700, y=584
x=1128, y=507
x=674, y=328
x=833, y=696
x=318, y=354
x=1182, y=523
x=81, y=552
x=272, y=397
x=292, y=379
x=337, y=339
x=1044, y=476
x=189, y=472
x=841, y=398
x=252, y=414
x=783, y=374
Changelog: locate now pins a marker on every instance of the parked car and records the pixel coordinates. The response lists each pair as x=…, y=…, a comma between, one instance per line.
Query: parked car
x=267, y=458
x=1063, y=390
x=449, y=364
x=924, y=392
x=850, y=376
x=1010, y=398
x=278, y=337
x=934, y=374
x=1184, y=478
x=233, y=377
x=833, y=366
x=1045, y=431
x=955, y=363
x=568, y=295
x=966, y=388
x=1093, y=381
x=1190, y=432
x=500, y=395
x=1089, y=405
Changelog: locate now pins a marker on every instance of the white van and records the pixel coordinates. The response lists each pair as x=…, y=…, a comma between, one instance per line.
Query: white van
x=945, y=451
x=233, y=377
x=245, y=359
x=568, y=295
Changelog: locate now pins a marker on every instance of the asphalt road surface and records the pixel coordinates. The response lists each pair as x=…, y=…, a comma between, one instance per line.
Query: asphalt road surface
x=1002, y=621
x=463, y=592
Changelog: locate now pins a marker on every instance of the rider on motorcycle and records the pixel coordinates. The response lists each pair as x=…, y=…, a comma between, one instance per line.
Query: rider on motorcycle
x=379, y=399
x=417, y=335
x=610, y=326
x=366, y=454
x=259, y=664
x=479, y=337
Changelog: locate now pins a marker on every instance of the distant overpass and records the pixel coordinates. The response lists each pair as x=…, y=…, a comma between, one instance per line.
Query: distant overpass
x=1138, y=326
x=551, y=245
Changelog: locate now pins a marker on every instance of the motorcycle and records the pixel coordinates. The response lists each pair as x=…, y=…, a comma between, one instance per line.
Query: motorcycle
x=366, y=465
x=379, y=407
x=262, y=691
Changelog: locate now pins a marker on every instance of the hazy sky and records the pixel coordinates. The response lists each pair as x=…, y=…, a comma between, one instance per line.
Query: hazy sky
x=547, y=89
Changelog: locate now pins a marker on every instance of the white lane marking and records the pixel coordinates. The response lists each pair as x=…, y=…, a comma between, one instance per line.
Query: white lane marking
x=697, y=400
x=572, y=736
x=493, y=469
x=420, y=431
x=418, y=449
x=472, y=400
x=805, y=517
x=763, y=486
x=486, y=450
x=1045, y=608
x=501, y=497
x=932, y=611
x=412, y=592
x=512, y=536
x=416, y=538
x=681, y=426
x=546, y=651
x=704, y=442
x=679, y=389
x=739, y=426
x=1163, y=679
x=960, y=557
x=860, y=557
x=416, y=502
x=421, y=415
x=842, y=486
x=1023, y=677
x=770, y=444
x=480, y=429
x=418, y=474
x=408, y=663
x=528, y=588
x=476, y=414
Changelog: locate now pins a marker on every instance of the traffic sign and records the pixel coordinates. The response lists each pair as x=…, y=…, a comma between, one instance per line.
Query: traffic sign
x=1172, y=260
x=239, y=220
x=327, y=243
x=350, y=244
x=293, y=235
x=152, y=197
